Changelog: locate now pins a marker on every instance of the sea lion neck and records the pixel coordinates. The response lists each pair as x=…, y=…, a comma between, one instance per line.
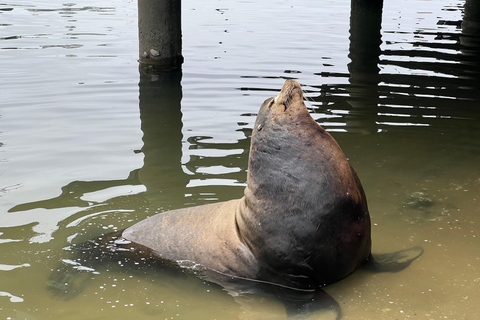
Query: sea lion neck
x=284, y=181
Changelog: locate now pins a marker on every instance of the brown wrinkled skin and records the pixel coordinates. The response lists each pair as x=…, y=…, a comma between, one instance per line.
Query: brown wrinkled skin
x=303, y=221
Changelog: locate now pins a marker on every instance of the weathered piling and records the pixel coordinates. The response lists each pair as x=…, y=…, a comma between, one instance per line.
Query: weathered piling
x=160, y=34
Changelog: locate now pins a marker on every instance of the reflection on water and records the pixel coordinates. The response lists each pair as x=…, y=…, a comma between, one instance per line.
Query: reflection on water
x=418, y=79
x=160, y=99
x=397, y=85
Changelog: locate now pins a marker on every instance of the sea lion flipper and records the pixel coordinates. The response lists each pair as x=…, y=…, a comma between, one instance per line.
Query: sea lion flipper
x=395, y=261
x=71, y=276
x=68, y=280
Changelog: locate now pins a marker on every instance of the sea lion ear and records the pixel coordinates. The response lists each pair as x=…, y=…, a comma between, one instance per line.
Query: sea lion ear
x=272, y=101
x=265, y=107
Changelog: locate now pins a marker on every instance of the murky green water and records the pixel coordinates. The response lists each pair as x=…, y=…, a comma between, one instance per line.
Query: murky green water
x=89, y=145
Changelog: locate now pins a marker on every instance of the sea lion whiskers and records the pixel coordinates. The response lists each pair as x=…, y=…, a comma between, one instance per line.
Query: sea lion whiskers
x=308, y=101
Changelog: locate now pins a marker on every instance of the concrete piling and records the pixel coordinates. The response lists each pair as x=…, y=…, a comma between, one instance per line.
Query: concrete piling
x=160, y=34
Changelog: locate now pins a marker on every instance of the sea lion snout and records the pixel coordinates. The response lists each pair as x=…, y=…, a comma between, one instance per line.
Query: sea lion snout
x=291, y=90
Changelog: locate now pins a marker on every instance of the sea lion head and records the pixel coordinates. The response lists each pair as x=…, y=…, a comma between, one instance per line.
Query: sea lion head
x=285, y=108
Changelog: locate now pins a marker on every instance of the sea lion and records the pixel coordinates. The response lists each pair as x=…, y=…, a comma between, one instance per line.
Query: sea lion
x=303, y=221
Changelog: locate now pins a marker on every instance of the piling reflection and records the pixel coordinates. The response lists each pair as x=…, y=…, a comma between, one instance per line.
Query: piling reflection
x=470, y=41
x=438, y=81
x=364, y=78
x=182, y=171
x=365, y=41
x=442, y=81
x=161, y=120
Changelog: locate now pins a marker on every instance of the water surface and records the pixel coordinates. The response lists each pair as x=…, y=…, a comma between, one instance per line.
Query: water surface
x=89, y=145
